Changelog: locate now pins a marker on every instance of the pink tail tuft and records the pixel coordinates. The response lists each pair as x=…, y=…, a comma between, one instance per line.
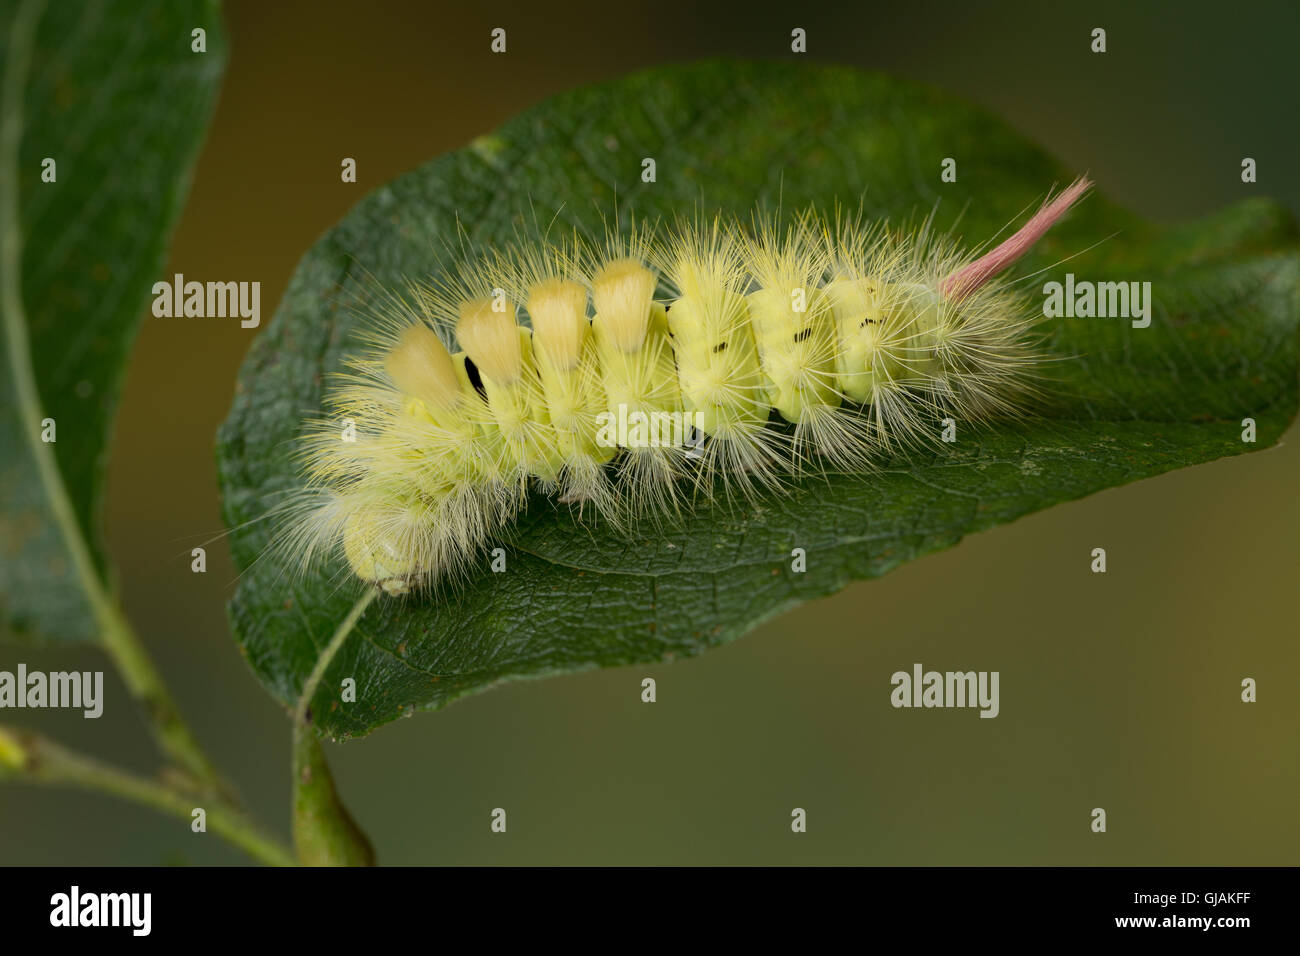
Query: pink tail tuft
x=969, y=278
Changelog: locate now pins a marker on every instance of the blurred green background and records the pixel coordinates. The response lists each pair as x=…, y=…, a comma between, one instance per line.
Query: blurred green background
x=1118, y=690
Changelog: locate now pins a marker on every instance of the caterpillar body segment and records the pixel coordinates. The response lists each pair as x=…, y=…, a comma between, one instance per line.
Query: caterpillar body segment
x=799, y=348
x=715, y=361
x=722, y=387
x=548, y=279
x=502, y=351
x=635, y=355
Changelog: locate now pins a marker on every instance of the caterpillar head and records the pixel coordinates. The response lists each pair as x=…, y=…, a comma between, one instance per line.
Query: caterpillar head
x=380, y=554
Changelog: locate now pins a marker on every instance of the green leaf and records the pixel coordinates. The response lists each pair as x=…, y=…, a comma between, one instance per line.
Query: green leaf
x=1129, y=403
x=115, y=97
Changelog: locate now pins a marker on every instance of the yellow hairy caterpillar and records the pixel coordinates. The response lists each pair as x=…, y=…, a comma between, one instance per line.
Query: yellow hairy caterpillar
x=635, y=375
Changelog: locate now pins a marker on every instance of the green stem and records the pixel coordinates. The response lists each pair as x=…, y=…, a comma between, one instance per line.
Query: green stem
x=324, y=833
x=117, y=637
x=146, y=686
x=36, y=759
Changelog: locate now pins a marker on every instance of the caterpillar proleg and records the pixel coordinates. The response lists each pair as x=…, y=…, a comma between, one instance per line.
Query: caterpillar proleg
x=637, y=375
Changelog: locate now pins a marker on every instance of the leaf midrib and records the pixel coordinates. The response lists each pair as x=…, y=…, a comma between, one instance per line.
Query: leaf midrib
x=21, y=47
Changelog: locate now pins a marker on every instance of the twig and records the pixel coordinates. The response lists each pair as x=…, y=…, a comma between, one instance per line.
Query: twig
x=33, y=758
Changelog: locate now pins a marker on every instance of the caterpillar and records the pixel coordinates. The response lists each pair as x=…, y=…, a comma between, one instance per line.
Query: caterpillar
x=638, y=374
